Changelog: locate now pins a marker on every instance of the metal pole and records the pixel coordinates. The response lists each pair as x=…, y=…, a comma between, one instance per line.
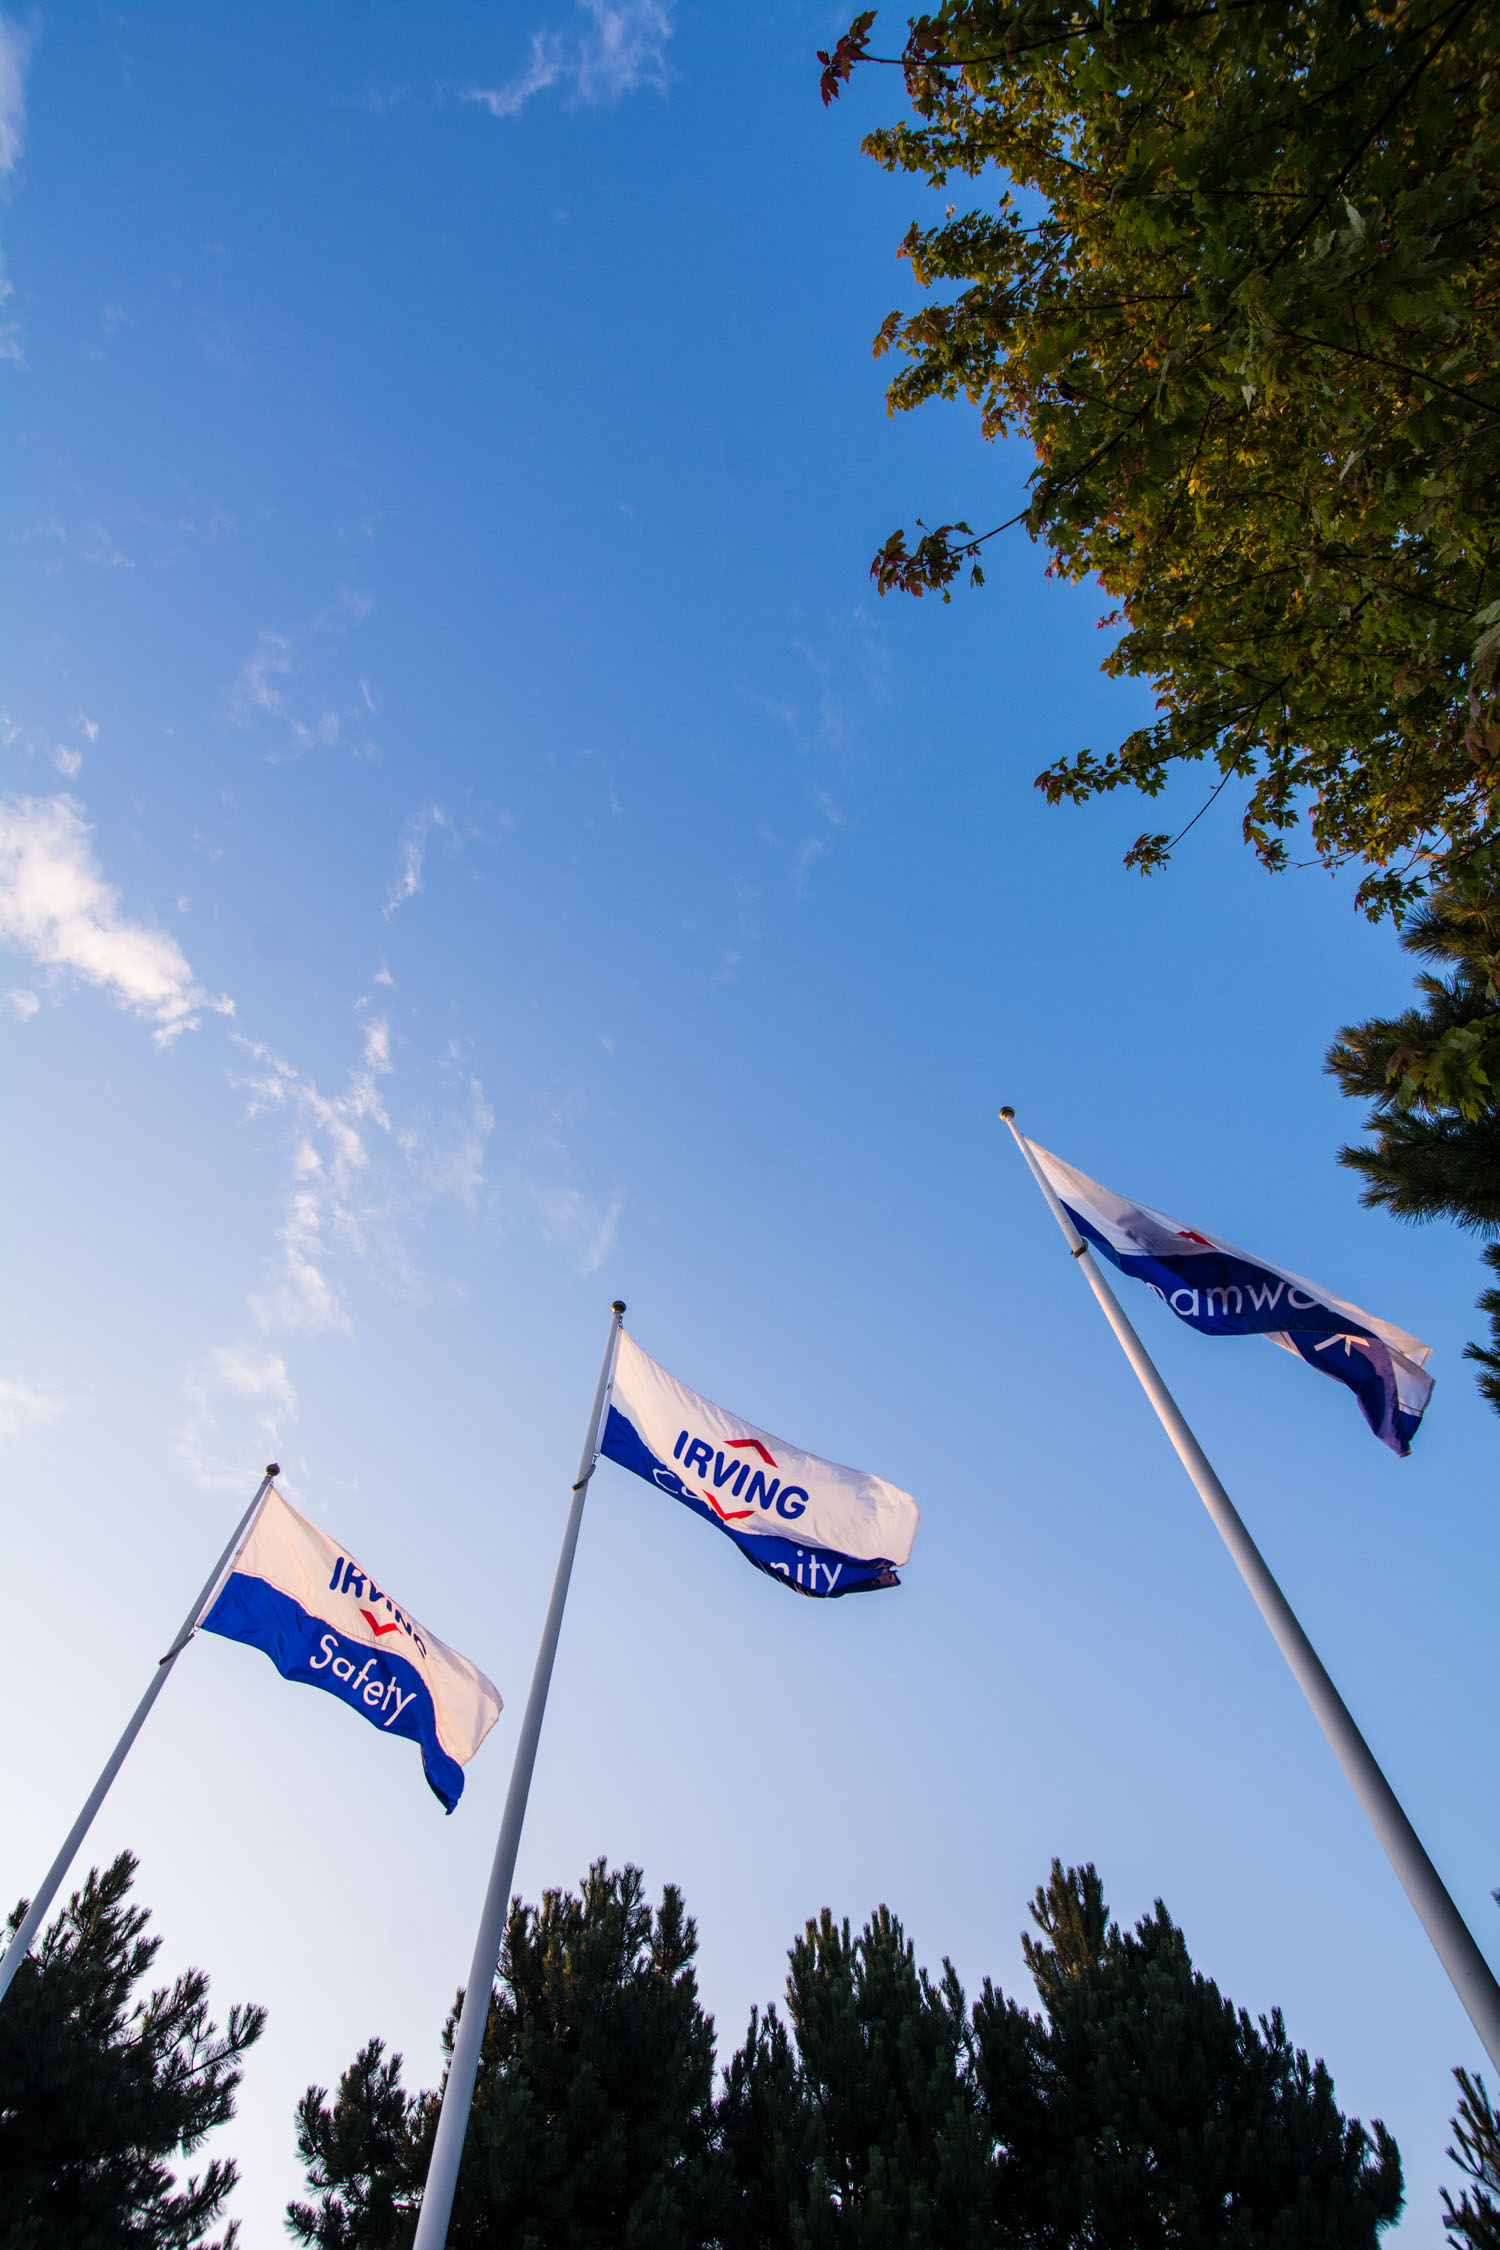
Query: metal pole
x=474, y=2010
x=16, y=1951
x=1469, y=1972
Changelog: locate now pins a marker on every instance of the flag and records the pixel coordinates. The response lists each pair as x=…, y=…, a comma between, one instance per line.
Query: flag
x=321, y=1618
x=821, y=1529
x=1222, y=1291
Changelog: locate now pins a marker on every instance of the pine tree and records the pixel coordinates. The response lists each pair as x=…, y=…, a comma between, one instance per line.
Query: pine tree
x=360, y=2158
x=103, y=2092
x=1473, y=2222
x=768, y=2141
x=593, y=2116
x=1433, y=1074
x=1138, y=2111
x=868, y=2138
x=1142, y=2111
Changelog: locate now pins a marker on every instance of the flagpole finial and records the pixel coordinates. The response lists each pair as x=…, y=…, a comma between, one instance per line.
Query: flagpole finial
x=1008, y=1114
x=618, y=1306
x=273, y=1468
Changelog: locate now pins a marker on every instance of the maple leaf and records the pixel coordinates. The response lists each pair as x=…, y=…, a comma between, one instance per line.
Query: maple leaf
x=852, y=48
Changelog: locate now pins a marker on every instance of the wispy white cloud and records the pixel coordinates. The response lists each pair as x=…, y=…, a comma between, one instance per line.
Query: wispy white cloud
x=257, y=690
x=11, y=346
x=581, y=1225
x=413, y=851
x=325, y=1207
x=809, y=853
x=451, y=1161
x=16, y=46
x=350, y=607
x=355, y=1177
x=786, y=713
x=97, y=546
x=264, y=1378
x=343, y=1205
x=251, y=1392
x=26, y=1406
x=56, y=908
x=254, y=687
x=617, y=49
x=378, y=100
x=270, y=685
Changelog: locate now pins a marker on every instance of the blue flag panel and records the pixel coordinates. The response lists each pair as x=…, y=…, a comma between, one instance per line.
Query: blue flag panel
x=385, y=1688
x=1221, y=1291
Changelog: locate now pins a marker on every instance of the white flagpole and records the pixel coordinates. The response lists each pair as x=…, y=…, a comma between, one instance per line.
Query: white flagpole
x=474, y=2011
x=15, y=1952
x=1469, y=1972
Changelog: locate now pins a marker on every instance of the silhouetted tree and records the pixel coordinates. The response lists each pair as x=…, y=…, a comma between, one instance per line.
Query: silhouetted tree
x=1139, y=2110
x=360, y=2155
x=103, y=2092
x=1142, y=2111
x=1433, y=1074
x=865, y=2136
x=1473, y=2222
x=593, y=2115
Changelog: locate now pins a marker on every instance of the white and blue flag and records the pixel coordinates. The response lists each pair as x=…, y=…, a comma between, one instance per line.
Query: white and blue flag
x=321, y=1618
x=1223, y=1291
x=819, y=1528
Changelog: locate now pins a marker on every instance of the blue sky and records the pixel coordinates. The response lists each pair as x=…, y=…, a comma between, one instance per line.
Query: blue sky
x=474, y=847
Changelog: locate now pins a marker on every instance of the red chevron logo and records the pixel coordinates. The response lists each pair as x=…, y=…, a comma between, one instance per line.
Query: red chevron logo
x=378, y=1630
x=733, y=1515
x=732, y=1445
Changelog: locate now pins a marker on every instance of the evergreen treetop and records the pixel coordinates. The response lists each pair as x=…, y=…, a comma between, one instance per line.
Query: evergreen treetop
x=1433, y=1077
x=1474, y=2220
x=593, y=2116
x=104, y=2093
x=1137, y=2110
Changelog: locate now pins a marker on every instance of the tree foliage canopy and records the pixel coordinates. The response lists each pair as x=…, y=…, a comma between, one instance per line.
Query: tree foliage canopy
x=1433, y=1075
x=103, y=2093
x=1241, y=291
x=858, y=2127
x=1141, y=2107
x=1474, y=2220
x=1138, y=2110
x=592, y=2122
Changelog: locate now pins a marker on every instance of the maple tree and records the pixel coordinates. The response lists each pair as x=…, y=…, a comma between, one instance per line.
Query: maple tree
x=1238, y=284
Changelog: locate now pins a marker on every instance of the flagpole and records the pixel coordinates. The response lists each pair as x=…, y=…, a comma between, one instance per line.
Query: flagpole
x=16, y=1951
x=474, y=2009
x=1468, y=1971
